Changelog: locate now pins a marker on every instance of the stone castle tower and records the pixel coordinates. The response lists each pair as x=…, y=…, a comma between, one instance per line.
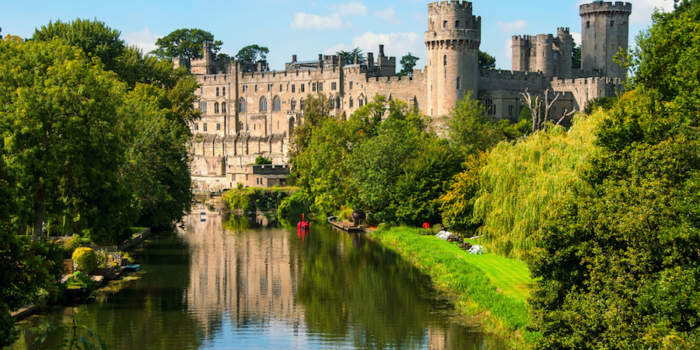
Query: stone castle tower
x=452, y=39
x=544, y=53
x=605, y=29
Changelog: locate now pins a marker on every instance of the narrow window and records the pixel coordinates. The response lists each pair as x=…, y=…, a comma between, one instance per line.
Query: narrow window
x=256, y=88
x=588, y=24
x=458, y=85
x=276, y=104
x=313, y=87
x=223, y=107
x=293, y=104
x=301, y=104
x=456, y=24
x=350, y=85
x=196, y=126
x=241, y=105
x=216, y=108
x=337, y=102
x=612, y=23
x=444, y=63
x=444, y=24
x=254, y=126
x=320, y=86
x=204, y=126
x=223, y=91
x=490, y=108
x=243, y=88
x=201, y=90
x=268, y=87
x=263, y=104
x=293, y=88
x=302, y=87
x=351, y=102
x=217, y=91
x=280, y=87
x=218, y=126
x=333, y=86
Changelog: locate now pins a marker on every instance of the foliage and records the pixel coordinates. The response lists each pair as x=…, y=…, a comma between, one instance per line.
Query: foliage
x=605, y=103
x=85, y=258
x=521, y=181
x=348, y=57
x=408, y=62
x=95, y=38
x=316, y=110
x=576, y=56
x=486, y=61
x=619, y=263
x=261, y=160
x=76, y=340
x=251, y=55
x=457, y=203
x=293, y=206
x=185, y=43
x=238, y=199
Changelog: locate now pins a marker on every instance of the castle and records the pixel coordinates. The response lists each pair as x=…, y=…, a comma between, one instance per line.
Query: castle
x=246, y=114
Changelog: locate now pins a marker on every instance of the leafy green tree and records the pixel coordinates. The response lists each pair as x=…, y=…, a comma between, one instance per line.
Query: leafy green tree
x=95, y=38
x=316, y=110
x=457, y=203
x=185, y=43
x=408, y=62
x=576, y=56
x=262, y=160
x=469, y=128
x=486, y=61
x=348, y=57
x=251, y=55
x=66, y=152
x=619, y=263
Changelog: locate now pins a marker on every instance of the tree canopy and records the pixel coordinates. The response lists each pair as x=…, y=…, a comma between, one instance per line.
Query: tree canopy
x=486, y=61
x=408, y=62
x=185, y=43
x=348, y=57
x=251, y=55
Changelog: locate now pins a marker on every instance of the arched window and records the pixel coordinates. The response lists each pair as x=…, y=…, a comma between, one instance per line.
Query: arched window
x=276, y=104
x=216, y=107
x=263, y=104
x=203, y=106
x=223, y=107
x=359, y=101
x=293, y=104
x=351, y=100
x=490, y=108
x=458, y=85
x=241, y=105
x=301, y=105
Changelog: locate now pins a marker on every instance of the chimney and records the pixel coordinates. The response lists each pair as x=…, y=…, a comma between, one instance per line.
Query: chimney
x=381, y=50
x=320, y=61
x=294, y=58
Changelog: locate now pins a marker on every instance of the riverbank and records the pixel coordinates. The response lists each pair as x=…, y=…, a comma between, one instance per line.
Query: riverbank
x=489, y=286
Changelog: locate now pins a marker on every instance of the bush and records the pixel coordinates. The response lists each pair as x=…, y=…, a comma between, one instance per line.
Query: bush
x=85, y=258
x=237, y=199
x=345, y=214
x=260, y=160
x=293, y=206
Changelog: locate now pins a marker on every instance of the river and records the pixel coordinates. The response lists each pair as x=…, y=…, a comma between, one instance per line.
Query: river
x=236, y=284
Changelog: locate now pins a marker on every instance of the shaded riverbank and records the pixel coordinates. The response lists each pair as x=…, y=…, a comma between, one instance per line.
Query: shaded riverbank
x=501, y=307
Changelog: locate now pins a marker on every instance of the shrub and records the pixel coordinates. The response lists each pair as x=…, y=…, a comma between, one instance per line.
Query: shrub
x=237, y=199
x=346, y=214
x=85, y=258
x=260, y=160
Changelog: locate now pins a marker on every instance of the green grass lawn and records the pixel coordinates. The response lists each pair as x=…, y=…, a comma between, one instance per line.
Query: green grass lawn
x=484, y=284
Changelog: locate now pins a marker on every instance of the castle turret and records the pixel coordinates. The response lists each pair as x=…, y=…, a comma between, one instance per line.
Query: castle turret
x=605, y=29
x=563, y=59
x=545, y=54
x=521, y=52
x=453, y=40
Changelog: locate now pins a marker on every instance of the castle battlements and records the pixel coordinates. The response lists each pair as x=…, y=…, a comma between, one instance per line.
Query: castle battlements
x=509, y=74
x=451, y=6
x=599, y=6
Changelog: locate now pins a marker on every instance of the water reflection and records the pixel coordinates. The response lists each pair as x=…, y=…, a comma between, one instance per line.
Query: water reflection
x=230, y=283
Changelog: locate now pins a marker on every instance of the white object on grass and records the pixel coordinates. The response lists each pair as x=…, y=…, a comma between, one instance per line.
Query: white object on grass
x=477, y=249
x=443, y=235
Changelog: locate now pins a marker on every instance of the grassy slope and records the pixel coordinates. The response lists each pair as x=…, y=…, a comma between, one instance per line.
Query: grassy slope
x=490, y=286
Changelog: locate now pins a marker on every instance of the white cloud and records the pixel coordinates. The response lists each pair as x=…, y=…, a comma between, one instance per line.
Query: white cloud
x=395, y=44
x=508, y=55
x=419, y=18
x=144, y=40
x=351, y=8
x=577, y=38
x=387, y=14
x=513, y=27
x=309, y=21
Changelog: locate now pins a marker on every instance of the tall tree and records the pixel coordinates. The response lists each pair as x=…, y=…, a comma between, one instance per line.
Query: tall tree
x=185, y=43
x=486, y=61
x=58, y=116
x=251, y=55
x=576, y=56
x=95, y=38
x=408, y=62
x=348, y=57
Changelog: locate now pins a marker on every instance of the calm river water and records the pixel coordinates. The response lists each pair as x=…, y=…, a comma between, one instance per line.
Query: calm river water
x=232, y=284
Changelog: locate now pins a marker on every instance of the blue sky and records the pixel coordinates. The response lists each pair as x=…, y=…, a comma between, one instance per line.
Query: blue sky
x=307, y=28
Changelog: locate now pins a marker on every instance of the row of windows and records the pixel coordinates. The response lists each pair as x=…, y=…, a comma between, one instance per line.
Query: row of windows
x=588, y=24
x=314, y=87
x=276, y=104
x=204, y=126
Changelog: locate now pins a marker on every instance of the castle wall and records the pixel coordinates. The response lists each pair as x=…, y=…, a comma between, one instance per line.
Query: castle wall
x=586, y=89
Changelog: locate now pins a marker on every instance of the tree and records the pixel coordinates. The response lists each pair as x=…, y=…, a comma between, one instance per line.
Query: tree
x=95, y=38
x=348, y=57
x=185, y=43
x=251, y=55
x=539, y=121
x=66, y=152
x=408, y=62
x=457, y=203
x=486, y=61
x=576, y=56
x=468, y=127
x=316, y=110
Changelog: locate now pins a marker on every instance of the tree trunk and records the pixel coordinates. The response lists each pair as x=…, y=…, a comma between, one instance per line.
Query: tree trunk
x=39, y=212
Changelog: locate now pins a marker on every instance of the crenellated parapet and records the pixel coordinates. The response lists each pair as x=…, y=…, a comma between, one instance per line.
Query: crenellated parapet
x=605, y=7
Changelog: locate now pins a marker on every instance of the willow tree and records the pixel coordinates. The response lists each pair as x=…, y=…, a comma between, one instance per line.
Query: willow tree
x=521, y=181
